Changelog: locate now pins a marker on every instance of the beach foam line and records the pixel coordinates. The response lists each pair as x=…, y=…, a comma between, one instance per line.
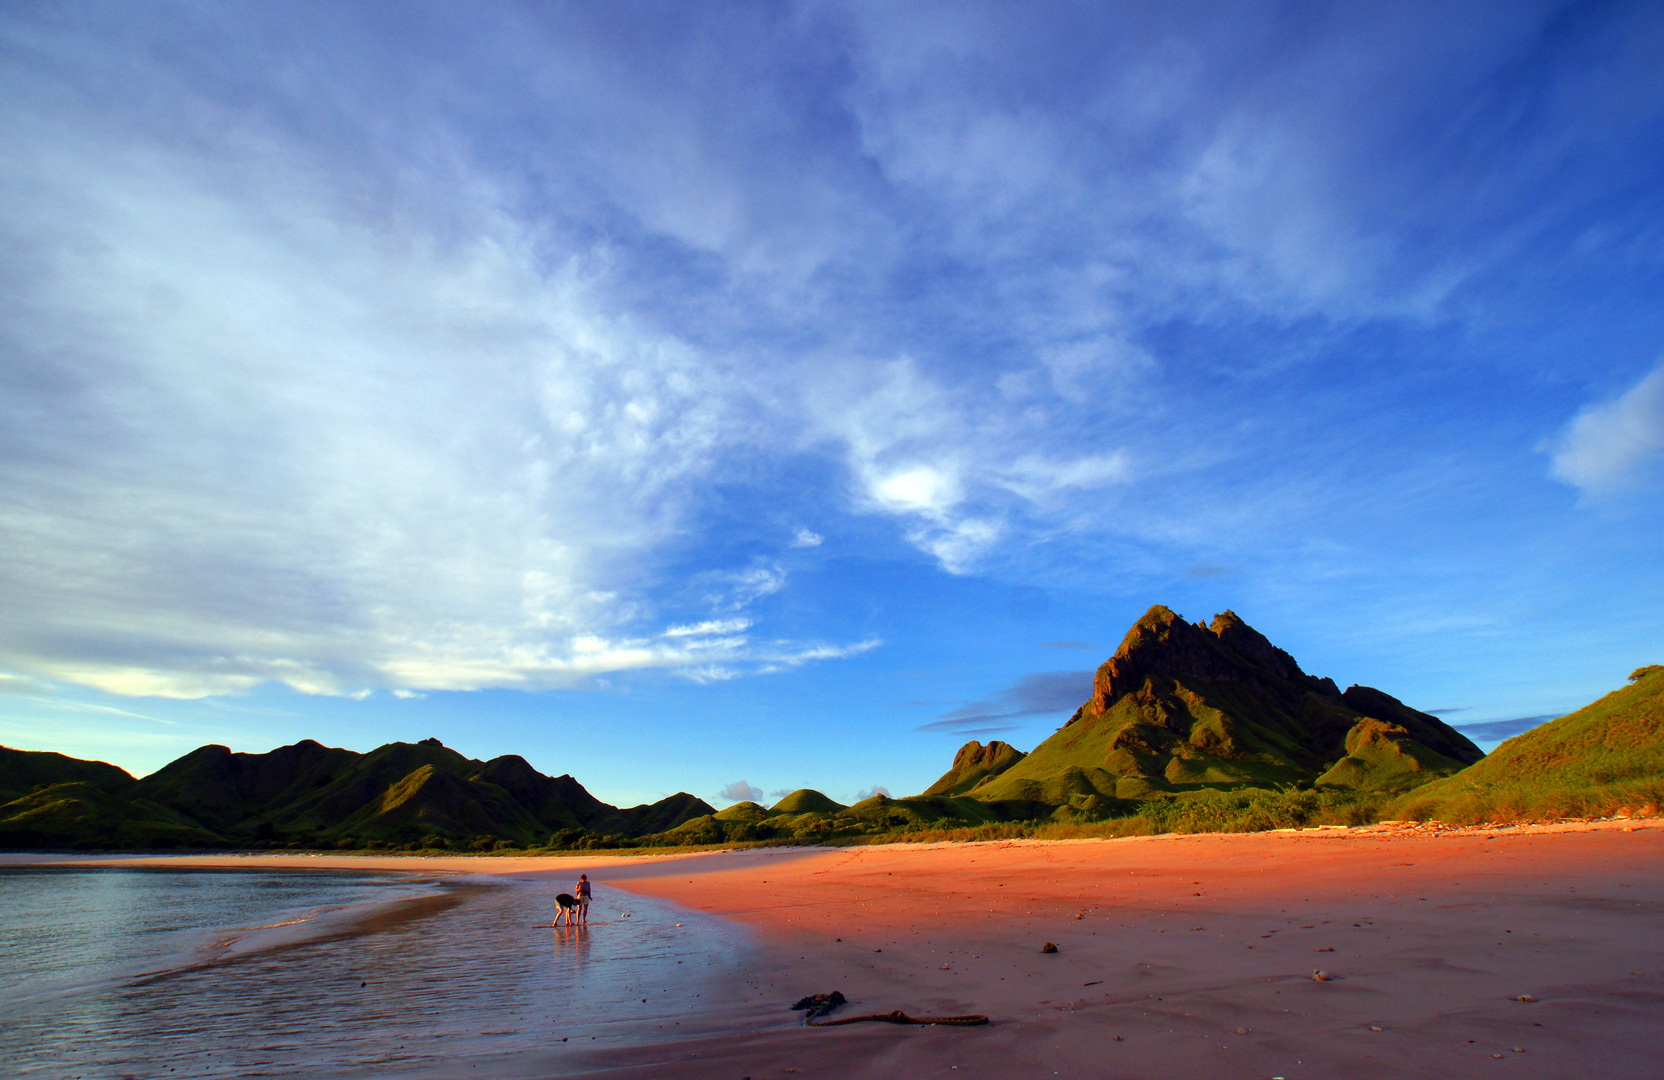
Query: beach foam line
x=322, y=924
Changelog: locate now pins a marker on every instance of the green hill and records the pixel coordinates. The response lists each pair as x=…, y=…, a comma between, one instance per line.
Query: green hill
x=1605, y=757
x=1184, y=707
x=807, y=801
x=742, y=811
x=309, y=794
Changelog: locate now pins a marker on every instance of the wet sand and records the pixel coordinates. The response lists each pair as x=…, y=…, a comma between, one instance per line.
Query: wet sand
x=1193, y=956
x=1177, y=956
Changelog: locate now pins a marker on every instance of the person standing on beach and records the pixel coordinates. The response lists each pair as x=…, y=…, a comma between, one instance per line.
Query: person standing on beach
x=583, y=897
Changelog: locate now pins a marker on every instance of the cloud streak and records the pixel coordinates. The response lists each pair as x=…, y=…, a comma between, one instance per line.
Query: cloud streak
x=1041, y=693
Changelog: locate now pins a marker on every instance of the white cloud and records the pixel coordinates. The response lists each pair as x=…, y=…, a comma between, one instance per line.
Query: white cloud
x=917, y=489
x=740, y=791
x=803, y=538
x=710, y=627
x=283, y=440
x=876, y=789
x=1610, y=445
x=363, y=380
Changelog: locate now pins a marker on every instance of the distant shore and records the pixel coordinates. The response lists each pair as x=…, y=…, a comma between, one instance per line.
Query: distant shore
x=1177, y=955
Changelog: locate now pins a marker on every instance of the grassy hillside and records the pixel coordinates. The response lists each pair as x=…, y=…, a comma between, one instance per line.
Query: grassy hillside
x=807, y=801
x=1605, y=757
x=1382, y=756
x=80, y=815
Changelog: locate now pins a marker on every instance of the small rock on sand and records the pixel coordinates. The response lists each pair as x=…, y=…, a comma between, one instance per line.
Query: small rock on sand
x=1321, y=976
x=1049, y=947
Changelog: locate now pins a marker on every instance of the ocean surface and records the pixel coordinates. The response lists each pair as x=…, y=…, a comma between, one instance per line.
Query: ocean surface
x=129, y=972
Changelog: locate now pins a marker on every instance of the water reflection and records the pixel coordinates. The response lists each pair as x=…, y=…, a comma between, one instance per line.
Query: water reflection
x=471, y=970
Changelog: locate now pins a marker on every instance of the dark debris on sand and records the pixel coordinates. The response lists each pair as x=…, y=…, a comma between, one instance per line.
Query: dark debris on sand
x=818, y=1005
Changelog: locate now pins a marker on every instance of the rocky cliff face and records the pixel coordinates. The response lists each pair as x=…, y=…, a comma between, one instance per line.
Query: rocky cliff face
x=1162, y=644
x=1183, y=706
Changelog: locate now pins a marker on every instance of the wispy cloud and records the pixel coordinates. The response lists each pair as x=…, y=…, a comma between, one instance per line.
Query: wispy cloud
x=709, y=628
x=1504, y=729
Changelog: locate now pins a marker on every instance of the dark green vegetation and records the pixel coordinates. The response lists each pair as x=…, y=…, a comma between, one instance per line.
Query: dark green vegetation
x=402, y=795
x=1604, y=758
x=1190, y=728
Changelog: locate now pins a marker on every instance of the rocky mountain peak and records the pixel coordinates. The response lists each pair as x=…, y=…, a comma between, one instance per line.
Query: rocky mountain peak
x=1228, y=650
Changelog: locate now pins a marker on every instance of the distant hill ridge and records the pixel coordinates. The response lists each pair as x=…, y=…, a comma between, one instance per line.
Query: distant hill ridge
x=400, y=793
x=1197, y=726
x=1184, y=706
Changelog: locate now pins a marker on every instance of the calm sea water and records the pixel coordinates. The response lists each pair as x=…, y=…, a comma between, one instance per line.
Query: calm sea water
x=120, y=972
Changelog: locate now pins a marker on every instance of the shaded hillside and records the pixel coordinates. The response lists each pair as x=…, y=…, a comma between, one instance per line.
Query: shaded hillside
x=400, y=794
x=1183, y=707
x=1605, y=757
x=24, y=771
x=220, y=790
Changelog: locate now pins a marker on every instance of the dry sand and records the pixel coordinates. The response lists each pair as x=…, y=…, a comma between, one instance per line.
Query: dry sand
x=1177, y=956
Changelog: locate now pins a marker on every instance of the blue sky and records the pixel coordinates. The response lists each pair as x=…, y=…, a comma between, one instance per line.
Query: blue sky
x=739, y=397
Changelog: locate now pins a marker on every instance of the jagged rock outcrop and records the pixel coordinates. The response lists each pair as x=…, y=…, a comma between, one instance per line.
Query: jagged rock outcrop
x=973, y=764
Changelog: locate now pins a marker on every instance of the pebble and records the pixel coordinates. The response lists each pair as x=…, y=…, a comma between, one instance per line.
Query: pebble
x=1321, y=976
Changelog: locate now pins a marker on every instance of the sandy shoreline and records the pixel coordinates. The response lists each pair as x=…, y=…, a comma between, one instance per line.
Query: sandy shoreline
x=1178, y=956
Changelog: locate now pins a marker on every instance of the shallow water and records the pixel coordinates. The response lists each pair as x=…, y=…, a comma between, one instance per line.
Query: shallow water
x=118, y=972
